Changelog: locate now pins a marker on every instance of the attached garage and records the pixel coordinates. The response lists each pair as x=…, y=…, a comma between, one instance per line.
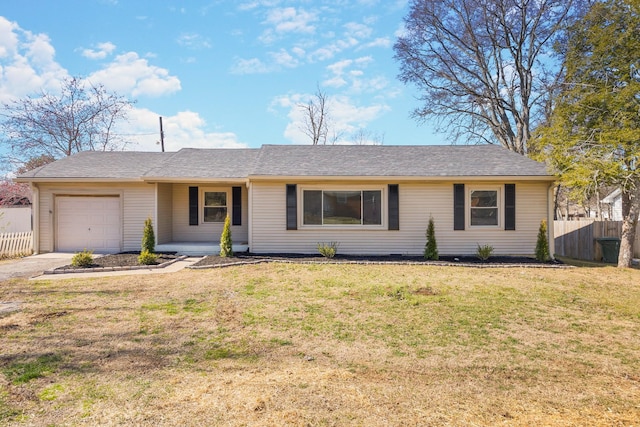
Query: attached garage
x=88, y=222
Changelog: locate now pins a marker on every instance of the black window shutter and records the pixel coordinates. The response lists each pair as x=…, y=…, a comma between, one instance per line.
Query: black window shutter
x=236, y=203
x=193, y=205
x=394, y=207
x=509, y=206
x=292, y=207
x=458, y=206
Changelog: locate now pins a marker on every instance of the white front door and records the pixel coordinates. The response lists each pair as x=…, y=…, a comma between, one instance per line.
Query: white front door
x=88, y=222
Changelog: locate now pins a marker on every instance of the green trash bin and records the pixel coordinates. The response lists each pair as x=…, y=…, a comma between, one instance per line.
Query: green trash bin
x=610, y=248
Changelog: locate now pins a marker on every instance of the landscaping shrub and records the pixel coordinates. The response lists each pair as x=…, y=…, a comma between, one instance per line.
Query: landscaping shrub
x=431, y=247
x=484, y=252
x=148, y=237
x=542, y=244
x=226, y=244
x=82, y=259
x=328, y=250
x=147, y=258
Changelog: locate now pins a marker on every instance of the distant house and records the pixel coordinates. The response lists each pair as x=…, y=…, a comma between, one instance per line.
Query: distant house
x=612, y=206
x=288, y=198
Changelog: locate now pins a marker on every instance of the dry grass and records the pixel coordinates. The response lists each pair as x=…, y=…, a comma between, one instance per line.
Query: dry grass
x=334, y=345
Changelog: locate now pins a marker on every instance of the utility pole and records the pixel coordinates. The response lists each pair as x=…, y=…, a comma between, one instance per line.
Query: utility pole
x=161, y=135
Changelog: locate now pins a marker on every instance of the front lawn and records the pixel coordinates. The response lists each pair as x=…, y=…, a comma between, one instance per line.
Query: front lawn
x=335, y=344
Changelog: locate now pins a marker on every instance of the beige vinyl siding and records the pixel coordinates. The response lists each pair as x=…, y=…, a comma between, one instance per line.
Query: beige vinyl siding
x=138, y=205
x=205, y=232
x=137, y=202
x=165, y=214
x=417, y=202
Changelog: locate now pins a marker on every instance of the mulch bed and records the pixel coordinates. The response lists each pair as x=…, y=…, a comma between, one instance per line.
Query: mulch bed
x=125, y=259
x=130, y=259
x=248, y=258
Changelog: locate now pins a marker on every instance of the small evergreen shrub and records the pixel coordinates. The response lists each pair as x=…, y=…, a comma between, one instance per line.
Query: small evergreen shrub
x=148, y=237
x=328, y=250
x=147, y=258
x=226, y=244
x=542, y=245
x=431, y=247
x=82, y=259
x=484, y=252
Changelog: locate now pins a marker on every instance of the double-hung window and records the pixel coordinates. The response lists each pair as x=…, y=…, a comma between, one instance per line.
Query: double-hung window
x=342, y=207
x=483, y=207
x=215, y=206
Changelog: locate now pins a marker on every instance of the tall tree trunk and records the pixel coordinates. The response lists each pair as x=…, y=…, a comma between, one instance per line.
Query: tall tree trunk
x=630, y=210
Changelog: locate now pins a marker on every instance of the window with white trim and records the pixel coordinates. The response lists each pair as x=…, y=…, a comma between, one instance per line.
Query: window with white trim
x=484, y=207
x=214, y=206
x=342, y=207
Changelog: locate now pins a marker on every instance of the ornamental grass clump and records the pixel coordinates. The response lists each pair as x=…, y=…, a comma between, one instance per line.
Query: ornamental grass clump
x=328, y=250
x=484, y=252
x=226, y=243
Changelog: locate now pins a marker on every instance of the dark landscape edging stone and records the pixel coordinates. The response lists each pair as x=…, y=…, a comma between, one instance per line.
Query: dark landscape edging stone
x=62, y=270
x=365, y=262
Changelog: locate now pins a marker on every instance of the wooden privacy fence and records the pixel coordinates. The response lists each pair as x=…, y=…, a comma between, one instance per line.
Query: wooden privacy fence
x=577, y=239
x=16, y=244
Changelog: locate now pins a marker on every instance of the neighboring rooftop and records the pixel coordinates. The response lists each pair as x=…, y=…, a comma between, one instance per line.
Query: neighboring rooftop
x=293, y=160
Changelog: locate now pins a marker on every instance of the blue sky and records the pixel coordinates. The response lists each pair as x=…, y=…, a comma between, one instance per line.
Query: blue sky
x=221, y=73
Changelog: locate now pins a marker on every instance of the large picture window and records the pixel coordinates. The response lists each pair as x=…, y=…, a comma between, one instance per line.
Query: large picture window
x=353, y=207
x=215, y=206
x=484, y=207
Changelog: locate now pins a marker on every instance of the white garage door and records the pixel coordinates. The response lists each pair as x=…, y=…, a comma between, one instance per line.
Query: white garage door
x=92, y=223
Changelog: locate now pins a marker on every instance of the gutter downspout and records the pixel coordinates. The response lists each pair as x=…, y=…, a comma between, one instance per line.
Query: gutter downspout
x=249, y=215
x=550, y=220
x=35, y=218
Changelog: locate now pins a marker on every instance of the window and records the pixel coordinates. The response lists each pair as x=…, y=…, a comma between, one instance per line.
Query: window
x=484, y=207
x=215, y=206
x=353, y=207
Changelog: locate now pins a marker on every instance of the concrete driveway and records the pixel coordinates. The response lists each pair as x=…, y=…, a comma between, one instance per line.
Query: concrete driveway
x=32, y=265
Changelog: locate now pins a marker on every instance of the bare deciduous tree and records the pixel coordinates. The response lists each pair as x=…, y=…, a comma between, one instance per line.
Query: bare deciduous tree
x=316, y=118
x=81, y=117
x=364, y=136
x=483, y=68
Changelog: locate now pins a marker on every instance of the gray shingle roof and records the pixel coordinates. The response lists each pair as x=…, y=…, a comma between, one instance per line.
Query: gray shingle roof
x=295, y=160
x=394, y=160
x=125, y=165
x=206, y=164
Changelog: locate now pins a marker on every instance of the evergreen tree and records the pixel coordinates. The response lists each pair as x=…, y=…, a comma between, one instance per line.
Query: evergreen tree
x=542, y=244
x=593, y=137
x=431, y=248
x=226, y=248
x=148, y=237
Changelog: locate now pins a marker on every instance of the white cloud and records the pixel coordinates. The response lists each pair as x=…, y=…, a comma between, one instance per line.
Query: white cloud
x=27, y=62
x=356, y=30
x=290, y=19
x=383, y=42
x=249, y=66
x=194, y=41
x=284, y=58
x=184, y=129
x=101, y=51
x=130, y=74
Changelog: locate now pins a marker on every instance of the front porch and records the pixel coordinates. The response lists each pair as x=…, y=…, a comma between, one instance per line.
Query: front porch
x=198, y=248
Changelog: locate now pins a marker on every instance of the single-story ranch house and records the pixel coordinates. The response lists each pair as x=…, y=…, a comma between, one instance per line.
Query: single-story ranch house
x=371, y=200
